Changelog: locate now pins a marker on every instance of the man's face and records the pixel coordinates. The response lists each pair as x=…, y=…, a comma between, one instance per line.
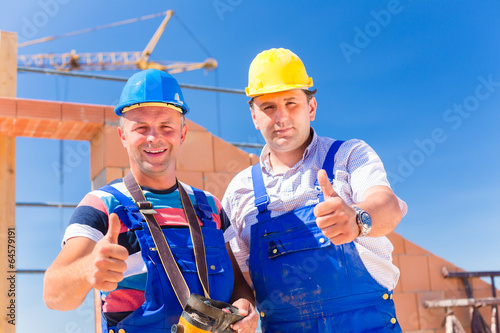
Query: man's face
x=284, y=119
x=152, y=136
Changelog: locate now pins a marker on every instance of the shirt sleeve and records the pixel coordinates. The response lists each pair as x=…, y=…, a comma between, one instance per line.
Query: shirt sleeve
x=90, y=220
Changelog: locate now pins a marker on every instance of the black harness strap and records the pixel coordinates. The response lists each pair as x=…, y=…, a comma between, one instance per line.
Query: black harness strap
x=168, y=261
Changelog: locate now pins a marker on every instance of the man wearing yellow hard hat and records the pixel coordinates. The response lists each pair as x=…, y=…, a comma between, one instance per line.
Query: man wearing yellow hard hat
x=309, y=220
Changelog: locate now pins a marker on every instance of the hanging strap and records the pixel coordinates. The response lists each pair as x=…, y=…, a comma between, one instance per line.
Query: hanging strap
x=260, y=193
x=167, y=259
x=328, y=165
x=259, y=188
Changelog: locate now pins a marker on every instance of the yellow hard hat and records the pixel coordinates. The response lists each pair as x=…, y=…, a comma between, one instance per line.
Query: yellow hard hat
x=276, y=70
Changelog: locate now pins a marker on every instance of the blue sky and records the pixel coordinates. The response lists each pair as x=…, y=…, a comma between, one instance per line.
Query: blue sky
x=418, y=80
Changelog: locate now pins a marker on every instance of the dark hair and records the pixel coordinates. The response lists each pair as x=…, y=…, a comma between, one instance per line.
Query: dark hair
x=309, y=96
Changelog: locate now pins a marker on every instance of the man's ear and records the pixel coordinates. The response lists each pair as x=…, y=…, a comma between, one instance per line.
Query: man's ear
x=253, y=119
x=312, y=108
x=121, y=134
x=183, y=133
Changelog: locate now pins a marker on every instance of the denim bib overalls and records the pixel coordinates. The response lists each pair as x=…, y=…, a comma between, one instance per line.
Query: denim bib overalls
x=305, y=283
x=161, y=308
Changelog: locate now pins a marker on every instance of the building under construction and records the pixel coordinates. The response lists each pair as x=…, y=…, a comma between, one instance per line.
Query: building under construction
x=431, y=291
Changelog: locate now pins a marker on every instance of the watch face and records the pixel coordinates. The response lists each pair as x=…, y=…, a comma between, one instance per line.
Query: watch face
x=366, y=219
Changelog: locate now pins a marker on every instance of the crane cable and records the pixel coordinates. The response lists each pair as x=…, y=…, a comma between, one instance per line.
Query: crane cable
x=105, y=26
x=216, y=73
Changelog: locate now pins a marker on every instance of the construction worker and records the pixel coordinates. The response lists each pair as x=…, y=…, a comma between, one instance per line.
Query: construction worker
x=109, y=246
x=309, y=220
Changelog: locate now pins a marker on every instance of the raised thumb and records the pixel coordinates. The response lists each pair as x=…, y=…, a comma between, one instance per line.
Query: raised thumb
x=114, y=226
x=325, y=185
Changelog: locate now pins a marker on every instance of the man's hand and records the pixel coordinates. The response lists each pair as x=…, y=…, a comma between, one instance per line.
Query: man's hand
x=107, y=260
x=250, y=322
x=334, y=217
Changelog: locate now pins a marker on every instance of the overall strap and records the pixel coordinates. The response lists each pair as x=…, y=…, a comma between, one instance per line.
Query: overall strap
x=127, y=207
x=260, y=194
x=329, y=164
x=169, y=263
x=203, y=208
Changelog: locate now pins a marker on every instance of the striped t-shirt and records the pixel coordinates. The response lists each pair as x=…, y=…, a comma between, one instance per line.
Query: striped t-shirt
x=90, y=220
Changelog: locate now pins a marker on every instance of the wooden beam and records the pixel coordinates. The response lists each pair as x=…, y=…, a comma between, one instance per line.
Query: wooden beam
x=8, y=75
x=8, y=64
x=461, y=302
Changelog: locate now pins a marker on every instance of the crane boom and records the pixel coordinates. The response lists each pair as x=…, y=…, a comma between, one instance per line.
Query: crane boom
x=106, y=61
x=112, y=60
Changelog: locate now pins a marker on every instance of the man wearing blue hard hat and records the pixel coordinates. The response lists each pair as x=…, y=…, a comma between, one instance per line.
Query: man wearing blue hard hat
x=147, y=241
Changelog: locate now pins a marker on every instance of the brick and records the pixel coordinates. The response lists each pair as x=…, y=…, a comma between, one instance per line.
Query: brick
x=407, y=311
x=96, y=155
x=196, y=153
x=194, y=127
x=105, y=176
x=462, y=313
x=76, y=130
x=115, y=155
x=6, y=125
x=34, y=109
x=86, y=113
x=414, y=273
x=110, y=117
x=216, y=182
x=37, y=128
x=7, y=107
x=254, y=159
x=192, y=178
x=412, y=248
x=433, y=317
x=398, y=243
x=228, y=158
x=438, y=282
x=395, y=261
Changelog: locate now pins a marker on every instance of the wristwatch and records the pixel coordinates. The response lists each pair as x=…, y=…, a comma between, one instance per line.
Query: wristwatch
x=364, y=221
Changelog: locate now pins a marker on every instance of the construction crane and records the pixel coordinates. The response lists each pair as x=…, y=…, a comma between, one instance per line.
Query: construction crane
x=110, y=60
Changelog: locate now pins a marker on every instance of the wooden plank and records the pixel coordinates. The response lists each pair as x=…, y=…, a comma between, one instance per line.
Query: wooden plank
x=7, y=232
x=8, y=81
x=461, y=302
x=8, y=63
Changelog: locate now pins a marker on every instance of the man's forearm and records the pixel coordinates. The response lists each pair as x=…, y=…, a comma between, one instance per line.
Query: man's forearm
x=383, y=206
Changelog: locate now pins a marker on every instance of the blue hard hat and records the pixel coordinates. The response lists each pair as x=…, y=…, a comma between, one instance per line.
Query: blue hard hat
x=151, y=87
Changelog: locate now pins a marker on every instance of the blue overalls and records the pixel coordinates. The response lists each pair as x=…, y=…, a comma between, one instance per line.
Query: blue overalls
x=161, y=308
x=305, y=283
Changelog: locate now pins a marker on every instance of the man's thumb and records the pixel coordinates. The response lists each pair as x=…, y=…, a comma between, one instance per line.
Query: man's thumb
x=113, y=228
x=325, y=185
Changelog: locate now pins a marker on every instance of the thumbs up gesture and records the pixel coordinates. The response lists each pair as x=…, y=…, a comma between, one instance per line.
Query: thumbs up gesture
x=334, y=217
x=107, y=262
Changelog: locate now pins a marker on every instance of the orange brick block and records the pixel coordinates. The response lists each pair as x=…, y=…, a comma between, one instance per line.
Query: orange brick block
x=414, y=273
x=110, y=116
x=7, y=107
x=433, y=317
x=194, y=127
x=216, y=182
x=37, y=128
x=407, y=311
x=34, y=109
x=86, y=113
x=192, y=178
x=254, y=159
x=228, y=158
x=196, y=153
x=398, y=242
x=438, y=282
x=412, y=248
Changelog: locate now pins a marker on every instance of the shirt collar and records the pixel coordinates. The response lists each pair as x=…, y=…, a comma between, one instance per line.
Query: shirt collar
x=264, y=155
